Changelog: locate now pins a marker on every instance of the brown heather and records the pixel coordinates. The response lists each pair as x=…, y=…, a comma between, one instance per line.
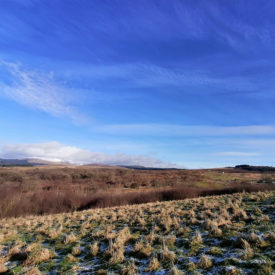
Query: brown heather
x=57, y=189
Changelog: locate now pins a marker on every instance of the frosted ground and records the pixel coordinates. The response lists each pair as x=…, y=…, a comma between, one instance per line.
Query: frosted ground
x=228, y=234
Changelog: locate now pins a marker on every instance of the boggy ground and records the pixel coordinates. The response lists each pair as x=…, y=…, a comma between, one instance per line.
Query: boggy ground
x=57, y=189
x=228, y=234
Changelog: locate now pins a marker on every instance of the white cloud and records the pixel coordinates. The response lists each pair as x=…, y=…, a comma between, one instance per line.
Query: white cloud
x=37, y=90
x=54, y=151
x=184, y=130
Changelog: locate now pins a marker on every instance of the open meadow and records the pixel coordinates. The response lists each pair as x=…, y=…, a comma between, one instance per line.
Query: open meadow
x=137, y=137
x=226, y=234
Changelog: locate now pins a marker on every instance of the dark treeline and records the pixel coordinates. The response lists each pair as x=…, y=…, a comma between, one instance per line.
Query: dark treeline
x=255, y=168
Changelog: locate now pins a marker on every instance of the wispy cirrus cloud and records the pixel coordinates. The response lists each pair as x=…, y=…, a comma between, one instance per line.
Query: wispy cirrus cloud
x=237, y=154
x=149, y=75
x=54, y=151
x=184, y=130
x=37, y=90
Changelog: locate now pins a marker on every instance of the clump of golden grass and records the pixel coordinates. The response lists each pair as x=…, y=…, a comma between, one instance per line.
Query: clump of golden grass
x=175, y=223
x=151, y=237
x=216, y=231
x=254, y=238
x=102, y=272
x=76, y=251
x=71, y=238
x=3, y=268
x=215, y=250
x=167, y=255
x=224, y=213
x=233, y=271
x=247, y=250
x=175, y=271
x=191, y=266
x=258, y=211
x=170, y=241
x=71, y=258
x=196, y=239
x=265, y=269
x=15, y=250
x=116, y=249
x=32, y=246
x=221, y=221
x=54, y=233
x=117, y=256
x=264, y=218
x=33, y=271
x=143, y=248
x=239, y=213
x=154, y=264
x=270, y=236
x=194, y=221
x=130, y=269
x=38, y=256
x=205, y=262
x=94, y=248
x=123, y=236
x=3, y=259
x=184, y=230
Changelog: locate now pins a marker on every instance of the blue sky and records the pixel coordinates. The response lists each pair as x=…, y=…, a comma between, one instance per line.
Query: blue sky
x=156, y=83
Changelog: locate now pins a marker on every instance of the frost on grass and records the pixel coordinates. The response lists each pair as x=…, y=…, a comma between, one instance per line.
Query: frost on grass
x=228, y=234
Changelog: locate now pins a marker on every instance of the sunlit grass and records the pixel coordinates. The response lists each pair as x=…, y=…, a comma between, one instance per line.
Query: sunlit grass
x=228, y=234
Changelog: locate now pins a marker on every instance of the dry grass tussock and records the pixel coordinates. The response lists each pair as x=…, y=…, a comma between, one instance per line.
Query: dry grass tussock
x=233, y=236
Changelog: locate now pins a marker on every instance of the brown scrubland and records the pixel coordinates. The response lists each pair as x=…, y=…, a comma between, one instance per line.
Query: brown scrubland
x=55, y=189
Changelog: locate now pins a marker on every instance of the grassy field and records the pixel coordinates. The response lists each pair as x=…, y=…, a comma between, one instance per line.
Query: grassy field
x=227, y=234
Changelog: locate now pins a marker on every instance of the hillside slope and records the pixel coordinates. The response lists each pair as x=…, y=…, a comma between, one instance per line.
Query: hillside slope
x=230, y=234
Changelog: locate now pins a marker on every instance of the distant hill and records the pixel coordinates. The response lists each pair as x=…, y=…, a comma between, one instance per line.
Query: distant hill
x=27, y=162
x=39, y=162
x=255, y=168
x=139, y=167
